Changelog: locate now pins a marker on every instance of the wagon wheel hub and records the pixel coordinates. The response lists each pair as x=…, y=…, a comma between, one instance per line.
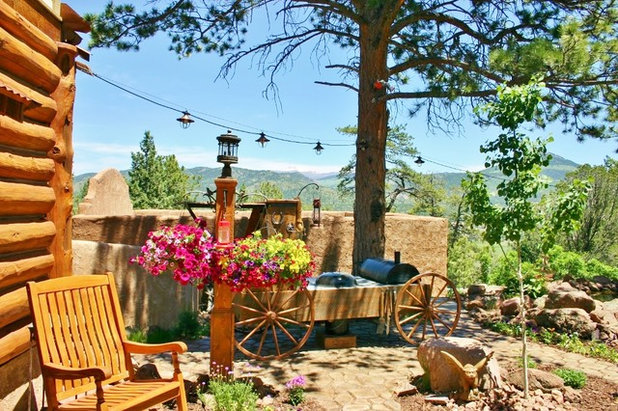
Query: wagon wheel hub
x=271, y=315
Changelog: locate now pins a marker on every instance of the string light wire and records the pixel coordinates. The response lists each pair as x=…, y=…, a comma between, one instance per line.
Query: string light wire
x=141, y=95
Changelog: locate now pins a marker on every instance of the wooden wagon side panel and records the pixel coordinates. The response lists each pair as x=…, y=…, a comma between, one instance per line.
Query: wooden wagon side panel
x=37, y=90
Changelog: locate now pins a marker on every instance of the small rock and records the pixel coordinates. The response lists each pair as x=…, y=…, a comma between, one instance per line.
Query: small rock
x=476, y=289
x=571, y=395
x=405, y=388
x=510, y=307
x=437, y=399
x=474, y=304
x=557, y=396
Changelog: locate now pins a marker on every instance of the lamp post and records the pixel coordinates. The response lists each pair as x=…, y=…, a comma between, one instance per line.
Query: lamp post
x=222, y=316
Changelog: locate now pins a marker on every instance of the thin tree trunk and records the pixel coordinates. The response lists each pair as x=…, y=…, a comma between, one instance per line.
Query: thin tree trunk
x=522, y=301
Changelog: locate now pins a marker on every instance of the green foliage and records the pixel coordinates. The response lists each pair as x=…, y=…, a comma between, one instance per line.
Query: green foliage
x=136, y=335
x=567, y=342
x=468, y=262
x=157, y=181
x=296, y=395
x=531, y=363
x=79, y=197
x=596, y=235
x=270, y=190
x=504, y=273
x=562, y=263
x=572, y=378
x=189, y=326
x=233, y=395
x=402, y=181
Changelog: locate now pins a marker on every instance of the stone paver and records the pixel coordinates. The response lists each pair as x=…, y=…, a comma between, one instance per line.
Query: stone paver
x=363, y=378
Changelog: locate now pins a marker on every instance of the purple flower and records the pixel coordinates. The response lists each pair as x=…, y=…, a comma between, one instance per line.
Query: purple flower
x=298, y=381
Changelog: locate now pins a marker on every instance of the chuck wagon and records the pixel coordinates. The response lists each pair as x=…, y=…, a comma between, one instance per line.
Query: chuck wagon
x=275, y=323
x=272, y=324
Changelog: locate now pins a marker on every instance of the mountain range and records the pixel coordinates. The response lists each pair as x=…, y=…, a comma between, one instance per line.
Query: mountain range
x=291, y=182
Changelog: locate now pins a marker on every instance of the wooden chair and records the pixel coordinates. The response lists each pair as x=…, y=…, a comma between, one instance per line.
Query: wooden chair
x=84, y=353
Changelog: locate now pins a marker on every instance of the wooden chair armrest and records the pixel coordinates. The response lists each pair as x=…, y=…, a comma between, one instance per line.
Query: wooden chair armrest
x=139, y=348
x=70, y=373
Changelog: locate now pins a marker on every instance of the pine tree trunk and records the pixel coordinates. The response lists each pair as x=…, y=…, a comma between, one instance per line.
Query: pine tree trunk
x=369, y=204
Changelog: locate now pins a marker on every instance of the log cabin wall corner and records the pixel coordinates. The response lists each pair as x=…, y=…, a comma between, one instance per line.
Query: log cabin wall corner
x=37, y=89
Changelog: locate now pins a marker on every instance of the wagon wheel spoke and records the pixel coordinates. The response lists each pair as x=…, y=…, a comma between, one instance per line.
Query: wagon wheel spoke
x=244, y=307
x=413, y=296
x=410, y=318
x=286, y=332
x=420, y=302
x=423, y=296
x=259, y=350
x=281, y=328
x=288, y=299
x=248, y=321
x=413, y=330
x=257, y=300
x=291, y=310
x=411, y=307
x=444, y=324
x=252, y=332
x=289, y=320
x=429, y=301
x=440, y=304
x=445, y=311
x=424, y=328
x=439, y=292
x=433, y=326
x=275, y=338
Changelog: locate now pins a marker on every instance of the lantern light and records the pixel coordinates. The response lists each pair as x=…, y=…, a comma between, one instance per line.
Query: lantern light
x=228, y=152
x=185, y=120
x=419, y=160
x=262, y=139
x=223, y=232
x=316, y=217
x=318, y=148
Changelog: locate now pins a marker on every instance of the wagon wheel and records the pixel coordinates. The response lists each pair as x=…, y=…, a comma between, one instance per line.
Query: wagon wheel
x=272, y=324
x=427, y=303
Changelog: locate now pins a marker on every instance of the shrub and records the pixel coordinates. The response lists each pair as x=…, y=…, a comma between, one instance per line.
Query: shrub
x=572, y=378
x=595, y=267
x=505, y=274
x=564, y=263
x=189, y=326
x=136, y=335
x=468, y=262
x=233, y=395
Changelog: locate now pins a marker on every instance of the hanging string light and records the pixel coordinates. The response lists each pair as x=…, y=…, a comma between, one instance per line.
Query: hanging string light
x=185, y=120
x=262, y=139
x=318, y=148
x=419, y=160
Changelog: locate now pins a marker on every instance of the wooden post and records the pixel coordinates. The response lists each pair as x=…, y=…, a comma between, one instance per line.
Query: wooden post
x=222, y=316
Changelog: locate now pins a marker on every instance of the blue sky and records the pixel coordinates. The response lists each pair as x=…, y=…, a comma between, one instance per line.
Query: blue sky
x=109, y=123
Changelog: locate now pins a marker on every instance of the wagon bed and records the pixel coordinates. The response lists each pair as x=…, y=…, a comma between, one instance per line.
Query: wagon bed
x=272, y=324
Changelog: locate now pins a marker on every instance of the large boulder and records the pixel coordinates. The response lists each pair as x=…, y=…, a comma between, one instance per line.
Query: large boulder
x=563, y=297
x=566, y=320
x=442, y=377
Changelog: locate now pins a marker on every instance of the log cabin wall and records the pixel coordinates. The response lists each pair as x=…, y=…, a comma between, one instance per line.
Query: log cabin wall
x=37, y=88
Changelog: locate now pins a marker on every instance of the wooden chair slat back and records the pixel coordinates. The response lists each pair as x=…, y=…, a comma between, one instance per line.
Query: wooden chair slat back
x=77, y=324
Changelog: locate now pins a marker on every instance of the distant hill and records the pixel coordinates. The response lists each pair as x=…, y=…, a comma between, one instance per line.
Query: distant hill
x=558, y=168
x=290, y=183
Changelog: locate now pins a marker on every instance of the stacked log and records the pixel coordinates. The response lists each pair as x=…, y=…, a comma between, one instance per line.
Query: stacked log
x=37, y=81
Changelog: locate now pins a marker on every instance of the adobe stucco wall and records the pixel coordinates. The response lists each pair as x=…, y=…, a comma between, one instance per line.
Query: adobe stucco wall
x=105, y=243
